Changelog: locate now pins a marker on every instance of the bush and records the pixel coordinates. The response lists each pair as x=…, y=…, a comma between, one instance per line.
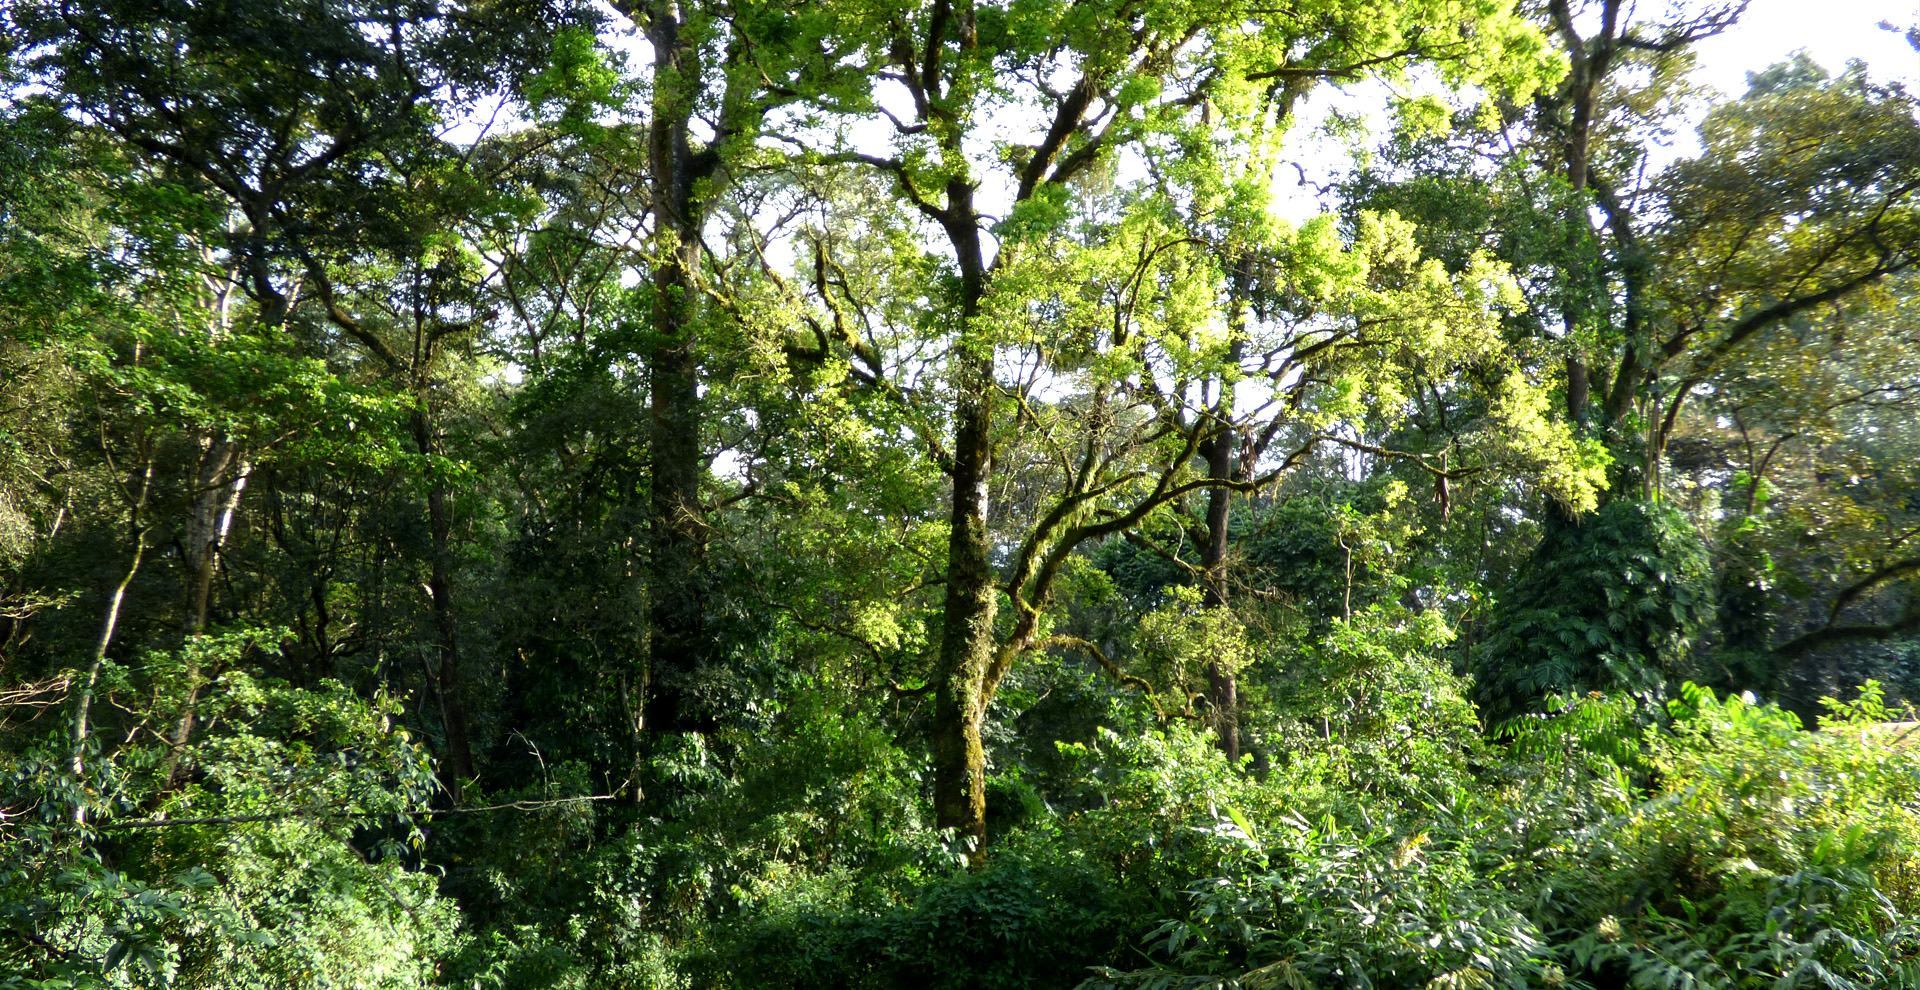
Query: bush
x=1612, y=603
x=1765, y=855
x=1053, y=898
x=266, y=852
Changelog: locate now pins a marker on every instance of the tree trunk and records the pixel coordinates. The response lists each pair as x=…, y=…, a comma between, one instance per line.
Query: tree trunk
x=681, y=646
x=1579, y=390
x=1223, y=688
x=217, y=486
x=448, y=680
x=967, y=638
x=632, y=697
x=221, y=479
x=83, y=704
x=453, y=710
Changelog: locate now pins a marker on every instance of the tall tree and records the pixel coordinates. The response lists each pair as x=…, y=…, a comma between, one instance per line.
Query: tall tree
x=1111, y=84
x=718, y=69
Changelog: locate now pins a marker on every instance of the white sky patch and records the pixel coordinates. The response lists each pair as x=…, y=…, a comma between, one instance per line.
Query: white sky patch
x=508, y=373
x=1832, y=31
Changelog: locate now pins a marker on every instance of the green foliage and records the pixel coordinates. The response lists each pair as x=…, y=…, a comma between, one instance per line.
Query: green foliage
x=1606, y=729
x=1182, y=640
x=1612, y=602
x=1362, y=862
x=1765, y=856
x=1056, y=897
x=1306, y=904
x=268, y=852
x=486, y=504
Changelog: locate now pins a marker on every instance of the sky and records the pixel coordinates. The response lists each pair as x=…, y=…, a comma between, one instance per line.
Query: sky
x=1832, y=31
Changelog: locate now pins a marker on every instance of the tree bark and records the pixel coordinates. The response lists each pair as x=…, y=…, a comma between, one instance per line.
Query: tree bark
x=1223, y=688
x=83, y=705
x=681, y=646
x=449, y=683
x=967, y=644
x=1579, y=389
x=217, y=486
x=1587, y=63
x=220, y=480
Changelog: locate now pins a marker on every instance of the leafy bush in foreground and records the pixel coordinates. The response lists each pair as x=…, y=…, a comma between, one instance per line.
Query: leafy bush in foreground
x=1761, y=855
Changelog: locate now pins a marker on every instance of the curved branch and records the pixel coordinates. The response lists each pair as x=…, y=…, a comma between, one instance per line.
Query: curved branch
x=1897, y=569
x=1831, y=635
x=1075, y=642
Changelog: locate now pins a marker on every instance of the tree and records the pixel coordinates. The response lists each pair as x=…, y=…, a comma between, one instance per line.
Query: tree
x=1662, y=285
x=1118, y=299
x=1687, y=262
